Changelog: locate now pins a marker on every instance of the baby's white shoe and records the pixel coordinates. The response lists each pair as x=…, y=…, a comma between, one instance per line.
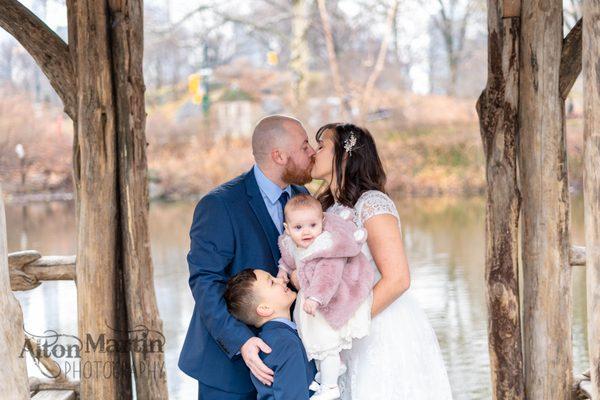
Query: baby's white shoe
x=314, y=386
x=327, y=393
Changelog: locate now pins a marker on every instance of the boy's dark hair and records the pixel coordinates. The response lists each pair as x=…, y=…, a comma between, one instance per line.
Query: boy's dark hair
x=240, y=298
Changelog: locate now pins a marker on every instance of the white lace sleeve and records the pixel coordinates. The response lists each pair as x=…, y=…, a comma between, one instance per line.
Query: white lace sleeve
x=372, y=203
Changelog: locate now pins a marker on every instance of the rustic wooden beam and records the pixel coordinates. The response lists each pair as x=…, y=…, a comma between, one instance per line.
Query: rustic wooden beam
x=577, y=255
x=13, y=379
x=36, y=384
x=101, y=307
x=499, y=125
x=55, y=395
x=547, y=299
x=570, y=59
x=582, y=387
x=28, y=269
x=591, y=182
x=49, y=364
x=52, y=268
x=511, y=8
x=142, y=310
x=48, y=50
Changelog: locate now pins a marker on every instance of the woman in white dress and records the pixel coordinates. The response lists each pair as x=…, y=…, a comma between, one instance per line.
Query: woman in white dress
x=401, y=358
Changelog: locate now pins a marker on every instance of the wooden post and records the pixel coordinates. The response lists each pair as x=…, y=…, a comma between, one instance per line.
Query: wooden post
x=100, y=302
x=499, y=123
x=142, y=311
x=591, y=182
x=545, y=206
x=98, y=76
x=13, y=379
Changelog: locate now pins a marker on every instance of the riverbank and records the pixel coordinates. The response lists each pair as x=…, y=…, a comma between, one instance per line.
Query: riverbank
x=430, y=147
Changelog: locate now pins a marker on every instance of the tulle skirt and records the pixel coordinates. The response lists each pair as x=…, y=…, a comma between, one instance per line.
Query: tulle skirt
x=399, y=360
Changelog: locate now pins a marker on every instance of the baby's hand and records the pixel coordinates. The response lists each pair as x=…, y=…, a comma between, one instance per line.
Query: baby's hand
x=310, y=306
x=283, y=275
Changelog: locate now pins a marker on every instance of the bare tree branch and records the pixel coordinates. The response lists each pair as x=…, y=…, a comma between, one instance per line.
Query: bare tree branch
x=333, y=64
x=48, y=50
x=379, y=64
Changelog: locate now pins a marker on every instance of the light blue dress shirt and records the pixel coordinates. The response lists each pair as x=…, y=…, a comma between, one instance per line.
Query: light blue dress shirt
x=270, y=193
x=286, y=321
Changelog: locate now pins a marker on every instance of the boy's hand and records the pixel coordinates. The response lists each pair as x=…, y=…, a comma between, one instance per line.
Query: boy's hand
x=283, y=275
x=310, y=306
x=250, y=351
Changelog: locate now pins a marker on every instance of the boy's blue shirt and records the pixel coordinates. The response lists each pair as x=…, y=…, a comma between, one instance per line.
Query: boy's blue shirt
x=293, y=373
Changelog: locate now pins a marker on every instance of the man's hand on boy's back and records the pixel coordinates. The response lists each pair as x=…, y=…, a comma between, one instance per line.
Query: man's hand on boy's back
x=250, y=353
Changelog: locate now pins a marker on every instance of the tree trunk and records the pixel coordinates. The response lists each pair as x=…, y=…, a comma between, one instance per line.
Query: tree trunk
x=13, y=380
x=345, y=109
x=591, y=182
x=499, y=122
x=100, y=302
x=380, y=63
x=300, y=51
x=142, y=311
x=545, y=205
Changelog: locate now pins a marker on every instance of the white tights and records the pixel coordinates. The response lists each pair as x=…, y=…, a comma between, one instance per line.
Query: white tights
x=329, y=367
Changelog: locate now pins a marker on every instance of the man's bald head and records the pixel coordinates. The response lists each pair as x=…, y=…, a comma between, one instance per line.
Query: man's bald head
x=272, y=132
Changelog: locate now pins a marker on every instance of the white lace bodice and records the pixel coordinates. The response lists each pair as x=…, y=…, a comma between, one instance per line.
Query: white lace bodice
x=368, y=205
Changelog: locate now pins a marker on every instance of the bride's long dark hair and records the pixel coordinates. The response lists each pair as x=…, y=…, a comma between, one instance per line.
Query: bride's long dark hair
x=360, y=171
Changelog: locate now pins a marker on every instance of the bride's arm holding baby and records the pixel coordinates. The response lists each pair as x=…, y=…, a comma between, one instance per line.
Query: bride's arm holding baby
x=385, y=244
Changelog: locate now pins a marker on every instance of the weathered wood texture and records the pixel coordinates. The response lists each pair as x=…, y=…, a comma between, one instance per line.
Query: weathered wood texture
x=499, y=124
x=55, y=395
x=28, y=269
x=545, y=206
x=510, y=8
x=38, y=384
x=142, y=310
x=13, y=379
x=577, y=256
x=47, y=49
x=100, y=304
x=591, y=182
x=570, y=60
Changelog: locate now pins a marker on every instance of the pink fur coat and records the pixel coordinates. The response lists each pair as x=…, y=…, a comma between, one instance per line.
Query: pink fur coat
x=332, y=269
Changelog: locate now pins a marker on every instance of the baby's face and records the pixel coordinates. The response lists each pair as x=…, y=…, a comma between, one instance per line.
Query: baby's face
x=304, y=225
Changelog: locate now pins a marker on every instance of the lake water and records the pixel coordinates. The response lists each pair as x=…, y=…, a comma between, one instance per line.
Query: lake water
x=444, y=240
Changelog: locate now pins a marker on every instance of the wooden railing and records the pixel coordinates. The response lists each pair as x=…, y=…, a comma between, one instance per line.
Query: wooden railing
x=26, y=270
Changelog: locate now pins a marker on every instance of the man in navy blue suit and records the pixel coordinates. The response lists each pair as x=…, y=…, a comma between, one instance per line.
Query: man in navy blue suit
x=235, y=227
x=259, y=299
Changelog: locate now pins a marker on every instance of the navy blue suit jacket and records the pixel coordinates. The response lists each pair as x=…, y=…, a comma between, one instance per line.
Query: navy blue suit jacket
x=288, y=360
x=231, y=231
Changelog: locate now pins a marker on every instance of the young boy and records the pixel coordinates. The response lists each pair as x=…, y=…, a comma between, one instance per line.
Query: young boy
x=257, y=298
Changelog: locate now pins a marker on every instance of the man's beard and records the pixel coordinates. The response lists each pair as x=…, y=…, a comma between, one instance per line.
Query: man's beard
x=294, y=175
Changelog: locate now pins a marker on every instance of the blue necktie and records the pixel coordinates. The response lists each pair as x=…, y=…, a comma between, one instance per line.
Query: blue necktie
x=283, y=199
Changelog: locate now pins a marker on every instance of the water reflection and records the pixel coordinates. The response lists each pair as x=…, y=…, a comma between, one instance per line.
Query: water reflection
x=444, y=239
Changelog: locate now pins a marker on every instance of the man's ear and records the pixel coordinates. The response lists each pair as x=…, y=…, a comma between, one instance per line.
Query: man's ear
x=278, y=157
x=264, y=310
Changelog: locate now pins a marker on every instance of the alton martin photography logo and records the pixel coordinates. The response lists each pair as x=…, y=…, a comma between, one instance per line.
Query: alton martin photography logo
x=60, y=355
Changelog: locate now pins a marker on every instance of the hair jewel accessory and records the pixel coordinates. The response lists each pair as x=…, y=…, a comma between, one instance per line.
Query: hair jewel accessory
x=349, y=143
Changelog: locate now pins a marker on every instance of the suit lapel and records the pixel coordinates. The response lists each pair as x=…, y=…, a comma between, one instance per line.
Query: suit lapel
x=260, y=210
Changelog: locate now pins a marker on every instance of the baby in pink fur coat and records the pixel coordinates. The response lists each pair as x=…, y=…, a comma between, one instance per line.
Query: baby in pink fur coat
x=336, y=279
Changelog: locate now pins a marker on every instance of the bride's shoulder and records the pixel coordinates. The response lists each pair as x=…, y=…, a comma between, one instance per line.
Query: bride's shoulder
x=373, y=196
x=374, y=202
